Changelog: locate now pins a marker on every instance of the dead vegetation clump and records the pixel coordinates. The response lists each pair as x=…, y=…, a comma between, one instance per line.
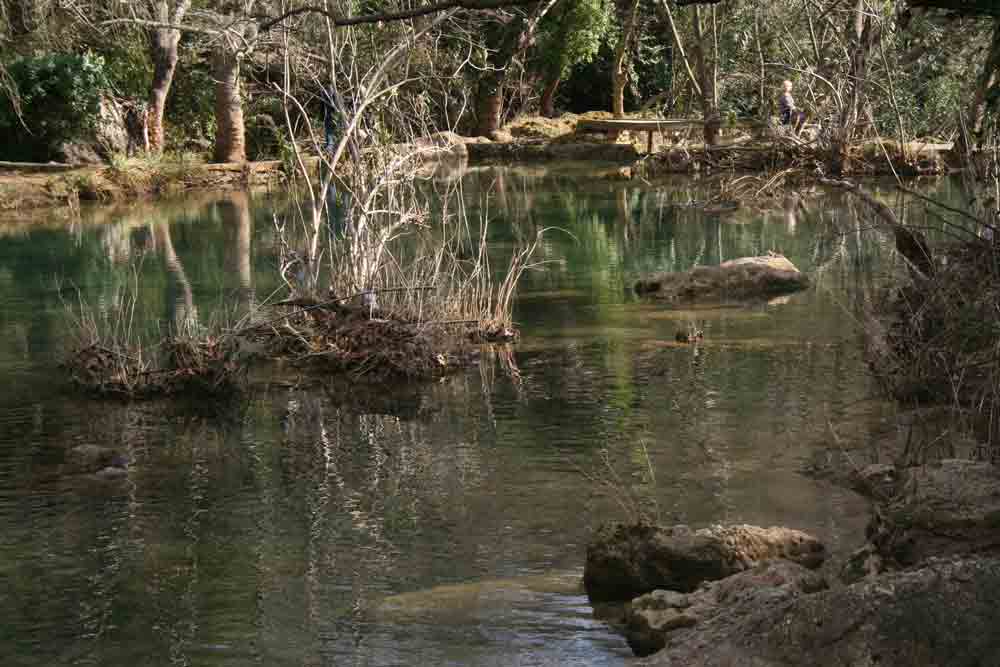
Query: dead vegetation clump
x=190, y=367
x=362, y=342
x=935, y=338
x=109, y=357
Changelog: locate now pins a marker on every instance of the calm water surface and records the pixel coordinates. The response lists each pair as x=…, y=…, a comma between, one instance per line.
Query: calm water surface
x=439, y=525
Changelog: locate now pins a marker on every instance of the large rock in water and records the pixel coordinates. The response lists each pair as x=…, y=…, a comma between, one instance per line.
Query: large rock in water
x=947, y=508
x=650, y=619
x=945, y=613
x=738, y=279
x=625, y=561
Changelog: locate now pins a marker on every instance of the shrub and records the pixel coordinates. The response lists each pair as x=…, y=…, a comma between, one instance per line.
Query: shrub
x=59, y=98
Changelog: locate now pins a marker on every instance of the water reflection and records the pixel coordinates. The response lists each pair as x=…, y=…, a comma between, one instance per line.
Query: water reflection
x=319, y=524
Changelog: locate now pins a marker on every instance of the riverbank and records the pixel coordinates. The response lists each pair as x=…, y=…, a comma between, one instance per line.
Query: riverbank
x=525, y=140
x=26, y=186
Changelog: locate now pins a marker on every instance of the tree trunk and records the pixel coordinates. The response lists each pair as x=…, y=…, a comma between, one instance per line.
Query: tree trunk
x=866, y=32
x=490, y=103
x=164, y=64
x=548, y=103
x=163, y=52
x=706, y=82
x=619, y=73
x=510, y=40
x=230, y=136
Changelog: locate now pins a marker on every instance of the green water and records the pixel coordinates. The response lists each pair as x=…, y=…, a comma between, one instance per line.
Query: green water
x=442, y=524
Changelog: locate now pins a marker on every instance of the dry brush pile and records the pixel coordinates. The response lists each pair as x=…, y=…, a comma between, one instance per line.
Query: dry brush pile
x=935, y=337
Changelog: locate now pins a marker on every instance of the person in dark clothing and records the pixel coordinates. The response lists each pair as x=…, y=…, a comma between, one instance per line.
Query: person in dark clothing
x=789, y=113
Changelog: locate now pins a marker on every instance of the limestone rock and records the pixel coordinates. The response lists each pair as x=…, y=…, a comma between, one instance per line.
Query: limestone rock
x=739, y=279
x=625, y=561
x=945, y=613
x=652, y=618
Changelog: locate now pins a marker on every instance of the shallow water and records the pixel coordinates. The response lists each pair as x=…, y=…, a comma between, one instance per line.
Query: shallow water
x=443, y=524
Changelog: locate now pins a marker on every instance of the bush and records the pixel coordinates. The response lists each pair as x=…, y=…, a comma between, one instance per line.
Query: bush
x=59, y=97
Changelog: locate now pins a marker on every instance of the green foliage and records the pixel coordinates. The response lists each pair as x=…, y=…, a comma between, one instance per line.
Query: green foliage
x=190, y=113
x=572, y=34
x=60, y=99
x=127, y=67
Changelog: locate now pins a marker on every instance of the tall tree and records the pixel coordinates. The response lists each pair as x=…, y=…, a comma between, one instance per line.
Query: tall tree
x=619, y=67
x=238, y=32
x=505, y=40
x=570, y=34
x=165, y=20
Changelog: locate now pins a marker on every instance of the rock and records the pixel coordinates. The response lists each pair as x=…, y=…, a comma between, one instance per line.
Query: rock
x=109, y=137
x=625, y=561
x=741, y=279
x=944, y=509
x=945, y=613
x=652, y=618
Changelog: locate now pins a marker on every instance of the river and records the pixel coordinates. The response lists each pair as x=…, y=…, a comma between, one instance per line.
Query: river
x=444, y=524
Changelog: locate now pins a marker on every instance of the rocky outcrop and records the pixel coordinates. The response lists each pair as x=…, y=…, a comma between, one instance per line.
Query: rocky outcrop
x=739, y=279
x=108, y=137
x=947, y=508
x=628, y=560
x=652, y=618
x=944, y=613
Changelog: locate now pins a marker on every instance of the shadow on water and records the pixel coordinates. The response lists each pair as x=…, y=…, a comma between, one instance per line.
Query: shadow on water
x=312, y=523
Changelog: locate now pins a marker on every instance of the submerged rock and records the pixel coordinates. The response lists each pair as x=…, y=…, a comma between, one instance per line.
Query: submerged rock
x=945, y=613
x=487, y=594
x=625, y=561
x=740, y=279
x=652, y=618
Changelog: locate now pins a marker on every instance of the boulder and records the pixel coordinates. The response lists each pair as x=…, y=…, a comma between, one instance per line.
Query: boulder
x=945, y=613
x=738, y=279
x=627, y=560
x=947, y=508
x=650, y=619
